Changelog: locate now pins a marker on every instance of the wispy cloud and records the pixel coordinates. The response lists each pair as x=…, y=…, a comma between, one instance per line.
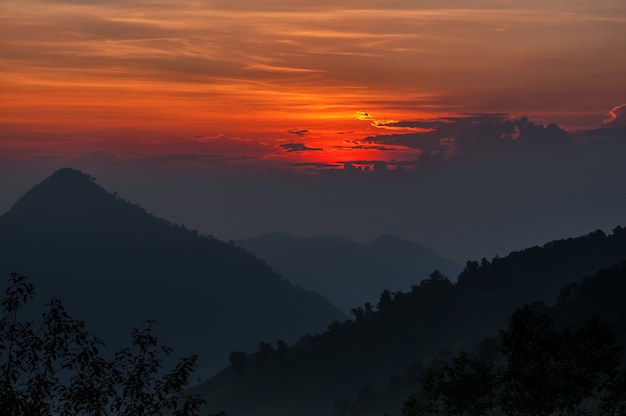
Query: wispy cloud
x=209, y=138
x=298, y=132
x=273, y=68
x=617, y=116
x=298, y=147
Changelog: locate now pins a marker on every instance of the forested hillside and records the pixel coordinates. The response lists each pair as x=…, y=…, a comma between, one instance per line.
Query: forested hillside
x=387, y=343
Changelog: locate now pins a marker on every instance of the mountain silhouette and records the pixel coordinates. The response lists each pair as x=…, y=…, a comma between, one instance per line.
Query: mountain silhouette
x=387, y=342
x=346, y=272
x=114, y=265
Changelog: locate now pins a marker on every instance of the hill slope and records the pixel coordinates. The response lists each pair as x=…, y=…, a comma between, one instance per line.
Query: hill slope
x=406, y=328
x=346, y=272
x=114, y=265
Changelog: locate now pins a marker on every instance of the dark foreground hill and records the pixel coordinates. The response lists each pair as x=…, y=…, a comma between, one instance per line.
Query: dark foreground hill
x=346, y=272
x=357, y=359
x=114, y=265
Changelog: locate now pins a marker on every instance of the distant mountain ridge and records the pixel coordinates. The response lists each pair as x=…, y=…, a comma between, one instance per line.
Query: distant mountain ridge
x=115, y=265
x=346, y=272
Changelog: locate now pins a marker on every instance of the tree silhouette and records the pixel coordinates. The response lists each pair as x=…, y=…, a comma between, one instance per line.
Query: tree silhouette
x=238, y=362
x=547, y=371
x=281, y=348
x=264, y=354
x=551, y=370
x=54, y=367
x=463, y=387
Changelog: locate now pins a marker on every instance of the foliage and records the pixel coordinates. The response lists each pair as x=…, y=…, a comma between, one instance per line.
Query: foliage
x=463, y=387
x=238, y=362
x=547, y=371
x=552, y=370
x=53, y=366
x=409, y=328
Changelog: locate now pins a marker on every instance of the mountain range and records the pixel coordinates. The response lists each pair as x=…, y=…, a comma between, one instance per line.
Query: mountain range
x=372, y=362
x=291, y=350
x=115, y=265
x=346, y=272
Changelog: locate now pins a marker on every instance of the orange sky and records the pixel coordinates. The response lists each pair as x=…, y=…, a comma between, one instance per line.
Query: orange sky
x=285, y=81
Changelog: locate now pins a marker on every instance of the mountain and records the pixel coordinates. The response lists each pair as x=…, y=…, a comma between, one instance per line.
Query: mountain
x=115, y=265
x=346, y=272
x=386, y=344
x=600, y=298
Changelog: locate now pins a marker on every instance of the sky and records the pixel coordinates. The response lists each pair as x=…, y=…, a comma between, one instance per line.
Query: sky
x=435, y=120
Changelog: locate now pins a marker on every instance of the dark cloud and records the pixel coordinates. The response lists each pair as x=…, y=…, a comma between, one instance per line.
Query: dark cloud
x=314, y=166
x=475, y=133
x=207, y=138
x=425, y=142
x=448, y=124
x=298, y=147
x=368, y=147
x=298, y=132
x=366, y=166
x=435, y=134
x=378, y=162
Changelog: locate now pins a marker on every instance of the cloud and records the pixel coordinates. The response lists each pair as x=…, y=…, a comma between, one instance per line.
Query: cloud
x=475, y=134
x=356, y=167
x=617, y=117
x=362, y=115
x=378, y=123
x=286, y=69
x=611, y=132
x=207, y=138
x=314, y=166
x=370, y=147
x=298, y=132
x=298, y=147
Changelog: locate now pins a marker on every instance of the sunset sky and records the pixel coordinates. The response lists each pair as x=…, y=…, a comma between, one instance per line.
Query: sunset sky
x=277, y=82
x=430, y=120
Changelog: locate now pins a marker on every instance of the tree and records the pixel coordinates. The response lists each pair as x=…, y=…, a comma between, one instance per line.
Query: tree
x=466, y=386
x=555, y=371
x=384, y=301
x=358, y=313
x=55, y=367
x=238, y=362
x=437, y=280
x=367, y=400
x=369, y=309
x=547, y=371
x=341, y=406
x=281, y=348
x=265, y=353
